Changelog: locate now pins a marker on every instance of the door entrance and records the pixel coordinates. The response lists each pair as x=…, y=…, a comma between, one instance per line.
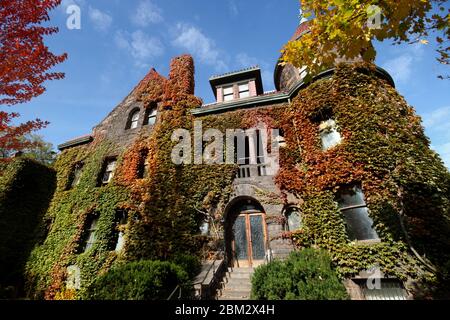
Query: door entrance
x=248, y=244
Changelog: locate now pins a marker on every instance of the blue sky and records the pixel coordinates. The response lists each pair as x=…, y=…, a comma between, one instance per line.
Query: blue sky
x=119, y=41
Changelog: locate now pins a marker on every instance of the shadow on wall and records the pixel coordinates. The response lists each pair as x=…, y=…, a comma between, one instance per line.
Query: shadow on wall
x=26, y=189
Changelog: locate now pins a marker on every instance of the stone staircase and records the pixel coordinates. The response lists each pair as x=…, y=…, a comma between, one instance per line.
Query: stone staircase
x=236, y=284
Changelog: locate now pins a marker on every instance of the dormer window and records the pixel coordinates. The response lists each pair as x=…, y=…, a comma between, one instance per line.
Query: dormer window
x=240, y=84
x=228, y=93
x=244, y=91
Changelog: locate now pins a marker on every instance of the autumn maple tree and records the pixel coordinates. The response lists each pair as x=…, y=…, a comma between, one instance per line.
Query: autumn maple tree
x=25, y=62
x=346, y=29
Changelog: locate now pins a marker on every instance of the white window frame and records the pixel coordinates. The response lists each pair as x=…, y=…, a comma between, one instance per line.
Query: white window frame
x=247, y=83
x=151, y=117
x=226, y=95
x=110, y=167
x=91, y=233
x=134, y=120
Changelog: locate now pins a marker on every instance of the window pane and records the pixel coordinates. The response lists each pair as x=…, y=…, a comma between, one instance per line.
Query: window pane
x=240, y=238
x=134, y=124
x=228, y=97
x=243, y=87
x=151, y=120
x=349, y=197
x=228, y=90
x=111, y=165
x=91, y=234
x=135, y=116
x=76, y=175
x=294, y=220
x=329, y=135
x=153, y=112
x=120, y=242
x=244, y=94
x=330, y=139
x=359, y=224
x=257, y=234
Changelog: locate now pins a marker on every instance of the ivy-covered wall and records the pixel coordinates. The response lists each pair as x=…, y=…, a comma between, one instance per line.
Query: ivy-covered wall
x=385, y=149
x=26, y=188
x=164, y=209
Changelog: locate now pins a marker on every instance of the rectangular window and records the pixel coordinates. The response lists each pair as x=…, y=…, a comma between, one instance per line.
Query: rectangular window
x=329, y=134
x=262, y=167
x=356, y=215
x=76, y=174
x=108, y=173
x=150, y=116
x=90, y=233
x=244, y=91
x=142, y=169
x=119, y=231
x=228, y=93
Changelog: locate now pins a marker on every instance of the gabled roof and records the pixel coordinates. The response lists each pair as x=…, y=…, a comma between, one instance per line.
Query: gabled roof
x=239, y=75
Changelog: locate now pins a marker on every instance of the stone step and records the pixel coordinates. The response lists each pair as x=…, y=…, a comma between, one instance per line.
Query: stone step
x=241, y=270
x=232, y=298
x=243, y=276
x=235, y=295
x=236, y=285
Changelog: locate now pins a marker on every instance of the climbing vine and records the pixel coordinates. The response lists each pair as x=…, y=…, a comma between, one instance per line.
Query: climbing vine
x=384, y=149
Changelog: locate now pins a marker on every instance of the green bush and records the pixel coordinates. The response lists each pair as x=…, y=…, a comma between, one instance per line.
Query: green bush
x=305, y=275
x=191, y=264
x=26, y=188
x=142, y=280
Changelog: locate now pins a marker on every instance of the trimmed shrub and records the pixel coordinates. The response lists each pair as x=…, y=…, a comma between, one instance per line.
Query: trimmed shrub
x=141, y=280
x=26, y=188
x=191, y=264
x=305, y=275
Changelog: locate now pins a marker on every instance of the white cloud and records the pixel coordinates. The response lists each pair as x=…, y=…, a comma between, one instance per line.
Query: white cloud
x=401, y=67
x=437, y=119
x=437, y=126
x=192, y=39
x=146, y=13
x=142, y=47
x=444, y=152
x=232, y=6
x=244, y=61
x=101, y=20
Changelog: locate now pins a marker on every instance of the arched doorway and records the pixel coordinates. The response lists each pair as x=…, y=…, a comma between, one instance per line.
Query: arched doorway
x=246, y=233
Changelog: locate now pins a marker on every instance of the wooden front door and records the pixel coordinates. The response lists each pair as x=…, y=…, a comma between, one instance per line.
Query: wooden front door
x=249, y=239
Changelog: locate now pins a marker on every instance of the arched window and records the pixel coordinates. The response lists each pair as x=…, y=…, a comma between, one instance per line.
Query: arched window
x=293, y=219
x=133, y=119
x=150, y=115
